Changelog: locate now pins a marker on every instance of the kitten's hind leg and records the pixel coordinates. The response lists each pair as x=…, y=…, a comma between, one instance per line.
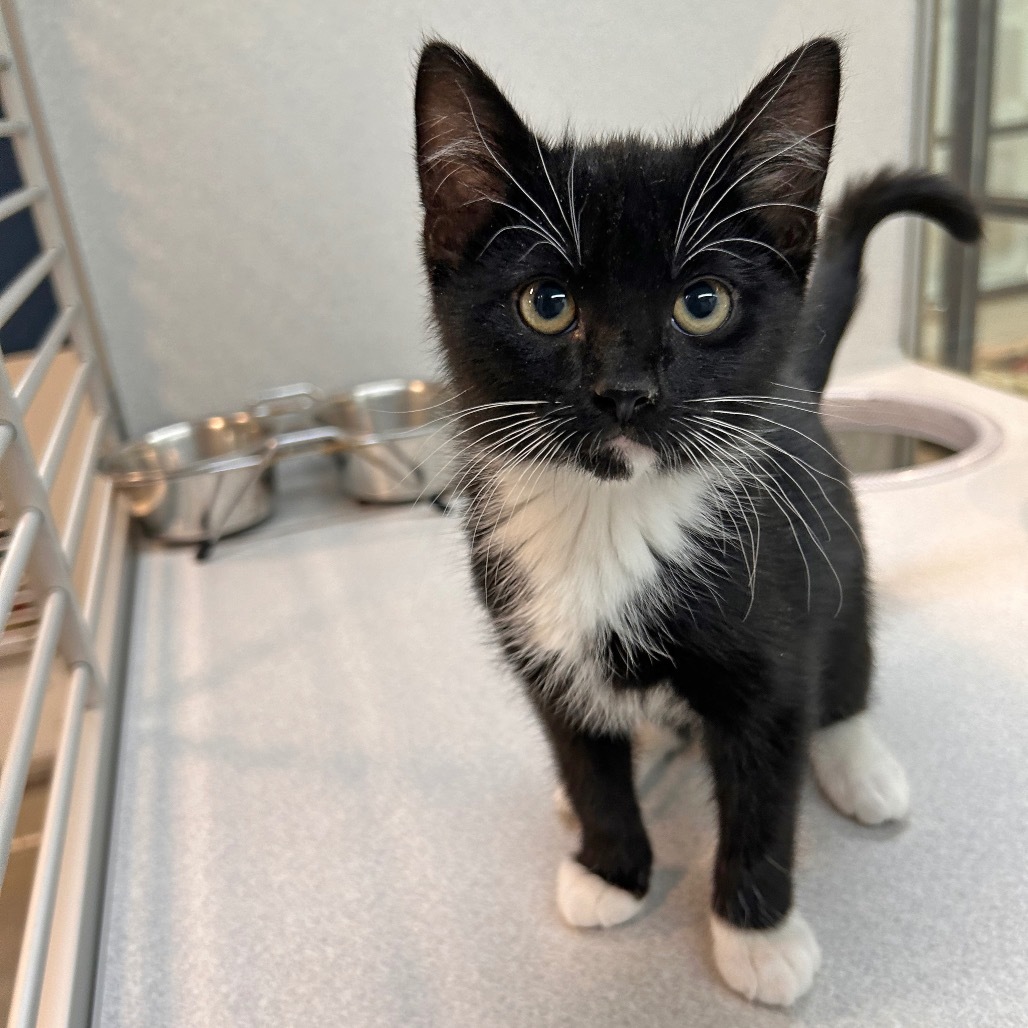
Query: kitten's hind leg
x=605, y=882
x=858, y=773
x=853, y=767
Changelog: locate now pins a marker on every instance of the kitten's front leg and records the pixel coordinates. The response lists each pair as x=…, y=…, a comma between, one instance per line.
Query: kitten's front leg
x=604, y=884
x=763, y=947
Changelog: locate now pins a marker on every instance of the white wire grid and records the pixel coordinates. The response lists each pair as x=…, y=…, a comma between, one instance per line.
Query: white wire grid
x=55, y=556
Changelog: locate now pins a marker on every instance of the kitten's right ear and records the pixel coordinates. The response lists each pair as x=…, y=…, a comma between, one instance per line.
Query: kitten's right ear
x=465, y=130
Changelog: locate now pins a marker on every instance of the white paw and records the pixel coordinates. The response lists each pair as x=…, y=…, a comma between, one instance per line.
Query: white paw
x=585, y=900
x=769, y=965
x=858, y=773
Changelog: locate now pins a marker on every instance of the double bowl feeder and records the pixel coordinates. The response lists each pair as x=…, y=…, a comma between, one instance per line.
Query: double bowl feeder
x=197, y=481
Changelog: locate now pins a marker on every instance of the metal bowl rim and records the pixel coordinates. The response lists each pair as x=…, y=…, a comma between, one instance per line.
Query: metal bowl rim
x=157, y=438
x=211, y=465
x=361, y=393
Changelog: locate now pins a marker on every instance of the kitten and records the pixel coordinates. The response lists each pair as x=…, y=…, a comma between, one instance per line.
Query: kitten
x=659, y=526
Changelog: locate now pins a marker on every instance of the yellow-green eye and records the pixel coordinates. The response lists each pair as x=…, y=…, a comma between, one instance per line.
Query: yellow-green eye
x=547, y=307
x=703, y=307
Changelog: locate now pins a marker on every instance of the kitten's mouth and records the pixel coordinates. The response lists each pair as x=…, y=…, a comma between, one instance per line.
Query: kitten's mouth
x=616, y=456
x=630, y=448
x=637, y=456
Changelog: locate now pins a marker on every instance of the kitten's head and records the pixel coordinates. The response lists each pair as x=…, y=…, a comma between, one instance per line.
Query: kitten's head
x=590, y=296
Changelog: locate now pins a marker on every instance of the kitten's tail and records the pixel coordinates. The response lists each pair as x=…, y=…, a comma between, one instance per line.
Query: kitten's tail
x=834, y=286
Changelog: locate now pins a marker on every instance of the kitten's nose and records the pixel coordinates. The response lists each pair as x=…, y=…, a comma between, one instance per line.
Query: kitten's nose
x=623, y=403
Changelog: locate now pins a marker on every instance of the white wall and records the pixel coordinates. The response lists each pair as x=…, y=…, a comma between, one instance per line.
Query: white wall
x=241, y=177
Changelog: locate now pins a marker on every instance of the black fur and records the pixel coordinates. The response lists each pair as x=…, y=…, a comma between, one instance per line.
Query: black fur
x=835, y=280
x=762, y=655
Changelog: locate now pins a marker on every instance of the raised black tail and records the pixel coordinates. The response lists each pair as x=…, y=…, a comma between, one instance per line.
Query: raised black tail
x=834, y=286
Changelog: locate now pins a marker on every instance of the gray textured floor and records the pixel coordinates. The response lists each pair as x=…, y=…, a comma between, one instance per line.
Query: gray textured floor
x=334, y=807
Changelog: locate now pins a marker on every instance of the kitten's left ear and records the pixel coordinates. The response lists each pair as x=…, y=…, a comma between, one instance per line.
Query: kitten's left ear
x=785, y=127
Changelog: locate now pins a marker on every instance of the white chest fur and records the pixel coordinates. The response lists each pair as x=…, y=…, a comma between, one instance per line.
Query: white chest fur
x=588, y=550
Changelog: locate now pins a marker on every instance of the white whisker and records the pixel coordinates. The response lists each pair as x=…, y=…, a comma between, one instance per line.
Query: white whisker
x=753, y=169
x=506, y=171
x=553, y=189
x=731, y=146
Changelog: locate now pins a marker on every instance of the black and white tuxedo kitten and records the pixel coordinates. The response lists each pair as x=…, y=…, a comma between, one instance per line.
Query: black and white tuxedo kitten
x=659, y=526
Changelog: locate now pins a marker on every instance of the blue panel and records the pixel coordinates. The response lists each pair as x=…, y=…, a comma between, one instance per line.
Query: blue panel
x=19, y=244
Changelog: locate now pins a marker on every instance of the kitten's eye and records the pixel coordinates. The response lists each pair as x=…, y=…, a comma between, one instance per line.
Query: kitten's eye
x=547, y=307
x=703, y=307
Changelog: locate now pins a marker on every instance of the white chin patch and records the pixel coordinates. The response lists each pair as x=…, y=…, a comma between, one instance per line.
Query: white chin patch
x=857, y=772
x=585, y=900
x=639, y=458
x=767, y=965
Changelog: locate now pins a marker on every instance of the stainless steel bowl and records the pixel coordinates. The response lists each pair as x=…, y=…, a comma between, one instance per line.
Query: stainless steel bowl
x=198, y=481
x=185, y=480
x=396, y=443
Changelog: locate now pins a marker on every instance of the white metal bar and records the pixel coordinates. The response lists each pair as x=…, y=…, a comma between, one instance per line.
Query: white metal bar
x=60, y=940
x=75, y=956
x=98, y=569
x=12, y=127
x=50, y=346
x=19, y=200
x=16, y=764
x=28, y=984
x=50, y=462
x=6, y=435
x=22, y=489
x=53, y=222
x=21, y=288
x=82, y=490
x=16, y=560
